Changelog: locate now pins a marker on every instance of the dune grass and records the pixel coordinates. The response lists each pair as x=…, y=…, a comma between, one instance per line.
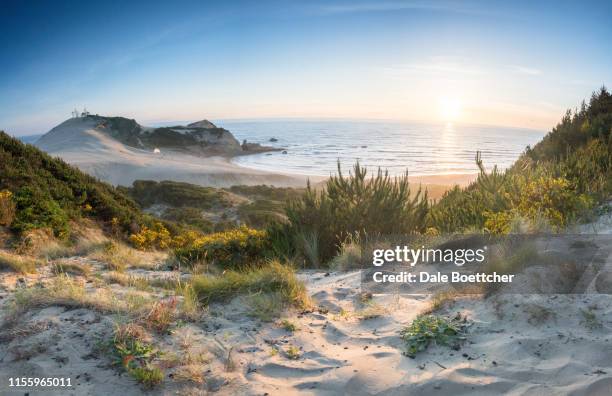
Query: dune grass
x=67, y=292
x=18, y=263
x=271, y=278
x=118, y=257
x=71, y=267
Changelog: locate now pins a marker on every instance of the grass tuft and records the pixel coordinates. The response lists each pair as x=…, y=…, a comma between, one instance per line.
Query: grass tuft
x=289, y=326
x=17, y=263
x=70, y=267
x=272, y=278
x=293, y=352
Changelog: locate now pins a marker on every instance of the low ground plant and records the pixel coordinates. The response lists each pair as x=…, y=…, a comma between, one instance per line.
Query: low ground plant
x=426, y=330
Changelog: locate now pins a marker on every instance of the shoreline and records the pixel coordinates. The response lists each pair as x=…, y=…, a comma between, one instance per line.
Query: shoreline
x=109, y=160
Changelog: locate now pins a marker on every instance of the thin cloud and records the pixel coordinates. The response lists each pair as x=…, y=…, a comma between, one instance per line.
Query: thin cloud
x=439, y=65
x=526, y=70
x=384, y=6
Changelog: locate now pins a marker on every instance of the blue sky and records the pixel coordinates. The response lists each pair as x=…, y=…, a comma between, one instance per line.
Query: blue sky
x=519, y=64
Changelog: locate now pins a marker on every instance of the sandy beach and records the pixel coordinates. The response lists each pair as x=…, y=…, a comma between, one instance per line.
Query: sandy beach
x=516, y=344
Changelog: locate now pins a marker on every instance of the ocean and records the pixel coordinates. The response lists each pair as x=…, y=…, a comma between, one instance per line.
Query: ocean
x=315, y=147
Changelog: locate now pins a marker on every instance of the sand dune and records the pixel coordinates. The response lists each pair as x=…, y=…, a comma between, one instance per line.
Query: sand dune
x=79, y=143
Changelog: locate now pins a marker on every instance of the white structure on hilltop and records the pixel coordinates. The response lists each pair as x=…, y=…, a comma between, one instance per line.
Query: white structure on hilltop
x=75, y=113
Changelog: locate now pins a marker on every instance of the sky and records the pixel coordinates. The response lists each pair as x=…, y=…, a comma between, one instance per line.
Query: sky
x=515, y=63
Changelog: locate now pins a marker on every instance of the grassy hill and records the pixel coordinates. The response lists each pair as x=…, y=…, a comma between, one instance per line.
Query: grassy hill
x=40, y=191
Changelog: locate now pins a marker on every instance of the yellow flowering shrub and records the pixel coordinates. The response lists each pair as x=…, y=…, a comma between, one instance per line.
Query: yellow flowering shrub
x=499, y=222
x=7, y=208
x=157, y=237
x=554, y=198
x=233, y=248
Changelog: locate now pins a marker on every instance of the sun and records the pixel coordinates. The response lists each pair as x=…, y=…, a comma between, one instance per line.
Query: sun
x=449, y=108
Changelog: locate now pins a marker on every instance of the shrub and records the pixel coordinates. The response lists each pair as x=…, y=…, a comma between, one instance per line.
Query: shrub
x=354, y=205
x=7, y=208
x=554, y=198
x=34, y=211
x=189, y=216
x=157, y=237
x=239, y=247
x=500, y=222
x=428, y=329
x=177, y=194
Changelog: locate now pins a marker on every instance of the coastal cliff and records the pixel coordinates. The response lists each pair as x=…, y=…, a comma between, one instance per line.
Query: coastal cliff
x=202, y=138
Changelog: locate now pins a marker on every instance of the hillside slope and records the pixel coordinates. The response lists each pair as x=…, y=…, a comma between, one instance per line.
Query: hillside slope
x=48, y=192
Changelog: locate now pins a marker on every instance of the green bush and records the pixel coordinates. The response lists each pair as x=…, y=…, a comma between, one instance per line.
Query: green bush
x=320, y=221
x=558, y=180
x=176, y=194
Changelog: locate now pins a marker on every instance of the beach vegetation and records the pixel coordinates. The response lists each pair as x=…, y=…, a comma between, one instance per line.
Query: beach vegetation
x=288, y=325
x=321, y=220
x=71, y=267
x=426, y=330
x=273, y=277
x=552, y=185
x=18, y=263
x=7, y=208
x=234, y=248
x=132, y=347
x=292, y=352
x=589, y=319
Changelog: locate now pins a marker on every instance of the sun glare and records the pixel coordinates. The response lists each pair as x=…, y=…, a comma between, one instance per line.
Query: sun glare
x=450, y=108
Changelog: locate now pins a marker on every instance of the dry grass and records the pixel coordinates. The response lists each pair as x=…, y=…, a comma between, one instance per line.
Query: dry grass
x=538, y=314
x=370, y=311
x=118, y=257
x=137, y=282
x=85, y=237
x=67, y=292
x=440, y=300
x=190, y=307
x=71, y=267
x=190, y=372
x=162, y=315
x=131, y=331
x=18, y=263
